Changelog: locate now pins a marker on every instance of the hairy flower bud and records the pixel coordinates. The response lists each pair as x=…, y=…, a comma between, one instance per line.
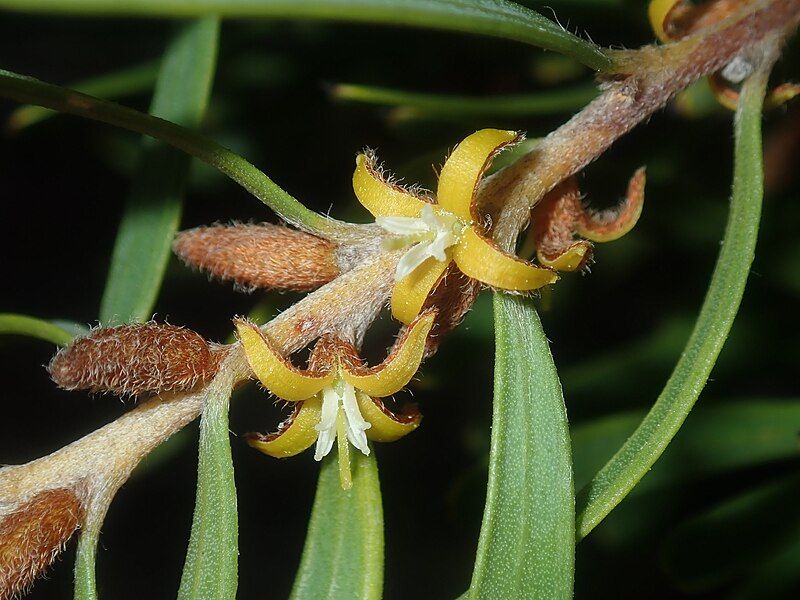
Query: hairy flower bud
x=259, y=256
x=136, y=359
x=33, y=535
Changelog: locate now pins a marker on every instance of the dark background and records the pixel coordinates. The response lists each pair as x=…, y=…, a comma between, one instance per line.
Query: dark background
x=63, y=187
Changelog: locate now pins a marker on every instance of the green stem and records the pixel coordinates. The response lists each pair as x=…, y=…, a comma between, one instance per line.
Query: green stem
x=85, y=561
x=137, y=79
x=31, y=91
x=448, y=105
x=619, y=476
x=497, y=18
x=13, y=324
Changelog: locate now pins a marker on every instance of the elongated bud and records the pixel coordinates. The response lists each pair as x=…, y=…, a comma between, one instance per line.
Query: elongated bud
x=33, y=535
x=259, y=256
x=136, y=359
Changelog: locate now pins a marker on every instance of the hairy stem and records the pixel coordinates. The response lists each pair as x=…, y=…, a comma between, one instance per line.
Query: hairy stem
x=646, y=79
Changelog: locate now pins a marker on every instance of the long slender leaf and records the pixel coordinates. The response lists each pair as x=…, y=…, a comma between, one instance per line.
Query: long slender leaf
x=153, y=210
x=618, y=477
x=211, y=568
x=452, y=106
x=343, y=552
x=527, y=542
x=32, y=91
x=13, y=324
x=715, y=439
x=498, y=18
x=123, y=82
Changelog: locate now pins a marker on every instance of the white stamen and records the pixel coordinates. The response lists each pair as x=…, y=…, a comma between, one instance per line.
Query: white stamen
x=430, y=235
x=356, y=425
x=414, y=257
x=402, y=225
x=340, y=396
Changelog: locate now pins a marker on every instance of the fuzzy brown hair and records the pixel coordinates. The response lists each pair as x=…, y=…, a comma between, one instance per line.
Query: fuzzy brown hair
x=136, y=359
x=259, y=256
x=33, y=535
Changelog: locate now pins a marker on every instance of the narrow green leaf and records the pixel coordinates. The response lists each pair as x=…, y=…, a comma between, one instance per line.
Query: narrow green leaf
x=31, y=91
x=211, y=568
x=118, y=84
x=153, y=210
x=527, y=542
x=450, y=106
x=714, y=439
x=734, y=536
x=498, y=18
x=618, y=477
x=13, y=324
x=343, y=552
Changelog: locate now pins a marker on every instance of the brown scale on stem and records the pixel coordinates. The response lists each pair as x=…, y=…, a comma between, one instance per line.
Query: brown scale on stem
x=33, y=535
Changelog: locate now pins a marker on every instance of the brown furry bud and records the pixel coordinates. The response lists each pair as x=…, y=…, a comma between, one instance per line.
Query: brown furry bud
x=135, y=359
x=33, y=535
x=259, y=256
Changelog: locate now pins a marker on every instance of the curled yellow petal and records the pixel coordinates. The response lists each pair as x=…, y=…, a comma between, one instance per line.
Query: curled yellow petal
x=386, y=426
x=295, y=434
x=569, y=260
x=409, y=294
x=728, y=97
x=480, y=259
x=379, y=197
x=781, y=94
x=611, y=225
x=464, y=168
x=658, y=13
x=275, y=372
x=394, y=373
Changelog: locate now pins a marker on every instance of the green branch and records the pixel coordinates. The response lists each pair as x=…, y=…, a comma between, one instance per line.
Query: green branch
x=31, y=91
x=545, y=102
x=13, y=324
x=497, y=18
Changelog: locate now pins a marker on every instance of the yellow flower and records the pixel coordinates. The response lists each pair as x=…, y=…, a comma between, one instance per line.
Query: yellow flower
x=338, y=397
x=448, y=231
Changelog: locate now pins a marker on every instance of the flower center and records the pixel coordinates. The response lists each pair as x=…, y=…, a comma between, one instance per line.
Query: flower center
x=339, y=404
x=428, y=236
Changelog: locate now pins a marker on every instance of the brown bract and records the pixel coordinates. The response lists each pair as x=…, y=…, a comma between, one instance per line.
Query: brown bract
x=32, y=536
x=452, y=297
x=136, y=359
x=259, y=256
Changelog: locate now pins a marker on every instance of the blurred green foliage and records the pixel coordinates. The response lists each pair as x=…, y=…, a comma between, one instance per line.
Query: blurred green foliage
x=716, y=517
